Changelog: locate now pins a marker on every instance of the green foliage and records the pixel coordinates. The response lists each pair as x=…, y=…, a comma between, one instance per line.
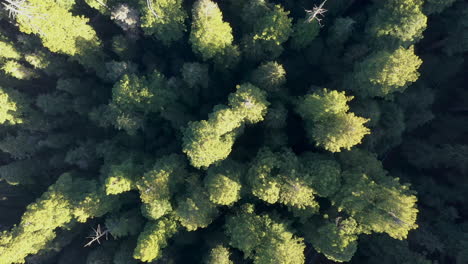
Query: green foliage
x=8, y=51
x=337, y=241
x=385, y=72
x=69, y=198
x=328, y=123
x=223, y=184
x=322, y=173
x=278, y=178
x=195, y=210
x=304, y=33
x=157, y=186
x=399, y=21
x=269, y=76
x=208, y=141
x=271, y=28
x=263, y=239
x=9, y=112
x=74, y=37
x=210, y=36
x=134, y=97
x=154, y=238
x=124, y=224
x=121, y=177
x=165, y=21
x=73, y=78
x=219, y=255
x=17, y=70
x=386, y=207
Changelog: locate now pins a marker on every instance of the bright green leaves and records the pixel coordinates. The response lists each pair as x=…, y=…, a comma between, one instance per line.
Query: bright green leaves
x=9, y=112
x=400, y=21
x=210, y=36
x=8, y=51
x=10, y=61
x=385, y=72
x=378, y=203
x=195, y=210
x=157, y=186
x=249, y=102
x=121, y=177
x=245, y=230
x=17, y=70
x=263, y=239
x=223, y=182
x=208, y=141
x=336, y=240
x=70, y=198
x=134, y=93
x=165, y=21
x=133, y=98
x=328, y=123
x=219, y=255
x=271, y=27
x=203, y=146
x=377, y=207
x=324, y=103
x=278, y=178
x=154, y=238
x=73, y=37
x=342, y=131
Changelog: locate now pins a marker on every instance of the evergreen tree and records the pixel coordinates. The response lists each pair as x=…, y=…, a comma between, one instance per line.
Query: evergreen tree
x=163, y=19
x=385, y=72
x=328, y=122
x=210, y=36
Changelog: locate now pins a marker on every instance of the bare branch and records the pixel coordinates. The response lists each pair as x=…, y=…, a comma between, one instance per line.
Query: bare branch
x=98, y=233
x=15, y=7
x=316, y=12
x=149, y=3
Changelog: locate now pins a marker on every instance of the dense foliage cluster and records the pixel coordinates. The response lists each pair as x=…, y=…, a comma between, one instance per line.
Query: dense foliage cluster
x=235, y=131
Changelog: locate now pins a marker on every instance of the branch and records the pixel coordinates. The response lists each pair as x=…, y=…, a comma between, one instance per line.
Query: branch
x=149, y=3
x=316, y=12
x=98, y=233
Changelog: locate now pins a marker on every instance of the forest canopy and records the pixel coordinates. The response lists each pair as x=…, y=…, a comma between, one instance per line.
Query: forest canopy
x=233, y=131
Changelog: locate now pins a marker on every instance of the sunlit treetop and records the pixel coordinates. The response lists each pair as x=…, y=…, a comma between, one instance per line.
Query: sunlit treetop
x=9, y=112
x=398, y=21
x=163, y=19
x=263, y=239
x=328, y=122
x=73, y=37
x=385, y=72
x=210, y=36
x=208, y=141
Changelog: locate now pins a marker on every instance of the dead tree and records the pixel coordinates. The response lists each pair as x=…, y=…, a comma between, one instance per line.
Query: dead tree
x=315, y=13
x=98, y=234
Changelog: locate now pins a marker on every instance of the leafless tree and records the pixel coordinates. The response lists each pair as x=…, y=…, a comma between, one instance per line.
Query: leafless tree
x=316, y=12
x=98, y=234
